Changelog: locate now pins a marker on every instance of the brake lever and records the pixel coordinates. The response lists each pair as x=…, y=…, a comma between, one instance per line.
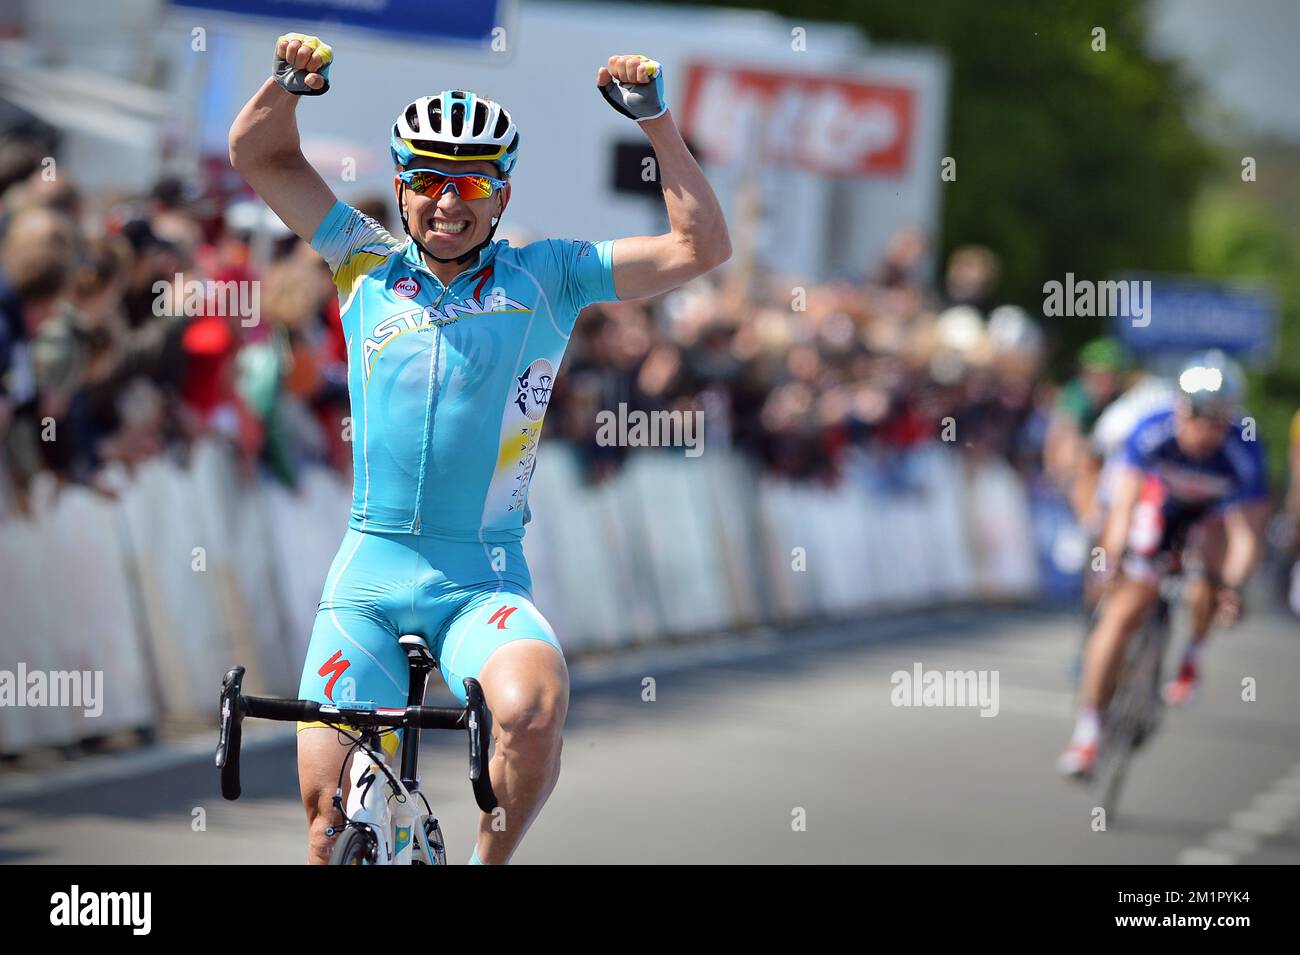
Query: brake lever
x=231, y=732
x=478, y=720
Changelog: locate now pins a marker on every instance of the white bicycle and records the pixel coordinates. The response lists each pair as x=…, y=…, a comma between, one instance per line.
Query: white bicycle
x=381, y=822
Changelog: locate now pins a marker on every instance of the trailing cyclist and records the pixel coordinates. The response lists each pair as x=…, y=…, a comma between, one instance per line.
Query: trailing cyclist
x=1183, y=468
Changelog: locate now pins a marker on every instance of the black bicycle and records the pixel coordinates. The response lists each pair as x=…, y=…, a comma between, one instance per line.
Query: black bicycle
x=381, y=823
x=1137, y=705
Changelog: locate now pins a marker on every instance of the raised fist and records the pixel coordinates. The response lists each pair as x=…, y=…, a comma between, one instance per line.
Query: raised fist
x=302, y=64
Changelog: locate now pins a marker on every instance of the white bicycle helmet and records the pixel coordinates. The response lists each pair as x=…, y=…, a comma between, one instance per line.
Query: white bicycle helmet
x=455, y=125
x=1211, y=383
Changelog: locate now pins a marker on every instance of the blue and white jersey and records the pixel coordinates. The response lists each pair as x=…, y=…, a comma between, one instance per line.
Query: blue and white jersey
x=1234, y=474
x=1117, y=422
x=449, y=384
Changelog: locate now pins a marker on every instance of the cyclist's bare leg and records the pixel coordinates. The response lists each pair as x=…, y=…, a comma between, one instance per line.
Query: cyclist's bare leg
x=1094, y=581
x=526, y=686
x=1127, y=603
x=1211, y=547
x=1201, y=601
x=321, y=752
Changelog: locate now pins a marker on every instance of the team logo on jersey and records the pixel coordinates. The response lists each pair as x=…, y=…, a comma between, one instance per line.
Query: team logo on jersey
x=534, y=390
x=393, y=326
x=526, y=462
x=406, y=287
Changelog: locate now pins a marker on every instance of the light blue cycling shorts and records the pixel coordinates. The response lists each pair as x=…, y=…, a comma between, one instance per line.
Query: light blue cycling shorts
x=465, y=599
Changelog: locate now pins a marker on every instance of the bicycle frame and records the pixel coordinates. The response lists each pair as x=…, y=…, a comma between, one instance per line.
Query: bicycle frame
x=388, y=809
x=1137, y=706
x=380, y=801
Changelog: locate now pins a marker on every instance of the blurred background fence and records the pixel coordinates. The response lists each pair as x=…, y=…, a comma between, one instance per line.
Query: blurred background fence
x=191, y=569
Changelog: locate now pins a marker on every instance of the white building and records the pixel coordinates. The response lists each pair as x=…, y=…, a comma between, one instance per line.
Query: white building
x=852, y=134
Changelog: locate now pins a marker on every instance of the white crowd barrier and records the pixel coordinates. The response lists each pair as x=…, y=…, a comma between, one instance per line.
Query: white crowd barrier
x=196, y=567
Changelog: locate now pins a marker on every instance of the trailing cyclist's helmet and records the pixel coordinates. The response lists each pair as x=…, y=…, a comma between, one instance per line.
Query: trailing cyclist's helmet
x=1210, y=384
x=455, y=125
x=1103, y=354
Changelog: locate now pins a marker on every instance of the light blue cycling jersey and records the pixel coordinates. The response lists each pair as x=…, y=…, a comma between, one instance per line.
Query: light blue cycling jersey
x=449, y=384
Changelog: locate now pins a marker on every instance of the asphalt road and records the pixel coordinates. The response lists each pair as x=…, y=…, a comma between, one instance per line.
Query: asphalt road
x=747, y=733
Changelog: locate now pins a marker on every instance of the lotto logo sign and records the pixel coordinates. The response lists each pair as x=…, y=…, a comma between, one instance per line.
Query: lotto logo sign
x=831, y=124
x=406, y=288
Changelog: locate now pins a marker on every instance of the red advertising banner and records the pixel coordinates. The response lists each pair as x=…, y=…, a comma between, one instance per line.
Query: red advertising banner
x=828, y=123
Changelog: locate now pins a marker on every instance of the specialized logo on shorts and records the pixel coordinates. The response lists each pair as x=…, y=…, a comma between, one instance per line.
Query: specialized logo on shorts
x=501, y=616
x=535, y=389
x=333, y=668
x=406, y=287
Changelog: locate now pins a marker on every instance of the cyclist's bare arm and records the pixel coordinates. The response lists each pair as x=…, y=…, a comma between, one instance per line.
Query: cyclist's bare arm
x=1243, y=546
x=265, y=149
x=1128, y=486
x=1060, y=448
x=697, y=240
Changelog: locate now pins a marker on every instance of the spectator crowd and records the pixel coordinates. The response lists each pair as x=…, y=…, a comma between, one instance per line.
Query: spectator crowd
x=106, y=359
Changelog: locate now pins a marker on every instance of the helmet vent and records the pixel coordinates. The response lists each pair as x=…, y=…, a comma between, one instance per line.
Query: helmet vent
x=503, y=123
x=413, y=118
x=435, y=117
x=457, y=119
x=480, y=118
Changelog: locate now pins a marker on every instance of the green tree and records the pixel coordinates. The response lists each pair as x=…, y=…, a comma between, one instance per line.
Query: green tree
x=1235, y=235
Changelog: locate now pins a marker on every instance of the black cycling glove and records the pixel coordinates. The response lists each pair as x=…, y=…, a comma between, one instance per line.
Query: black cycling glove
x=292, y=78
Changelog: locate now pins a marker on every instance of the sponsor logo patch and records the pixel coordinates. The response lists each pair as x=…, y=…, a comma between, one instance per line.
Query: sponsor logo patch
x=501, y=616
x=333, y=668
x=535, y=389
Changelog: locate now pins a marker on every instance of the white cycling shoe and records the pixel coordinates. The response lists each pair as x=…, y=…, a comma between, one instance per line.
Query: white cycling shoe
x=1078, y=760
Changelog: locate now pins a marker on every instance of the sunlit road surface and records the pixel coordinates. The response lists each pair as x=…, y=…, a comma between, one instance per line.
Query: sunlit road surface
x=749, y=734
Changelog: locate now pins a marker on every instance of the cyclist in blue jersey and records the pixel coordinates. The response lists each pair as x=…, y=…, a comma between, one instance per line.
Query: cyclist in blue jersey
x=454, y=341
x=1181, y=468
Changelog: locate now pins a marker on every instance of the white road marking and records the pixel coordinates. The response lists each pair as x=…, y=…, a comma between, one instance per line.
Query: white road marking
x=1271, y=813
x=1232, y=840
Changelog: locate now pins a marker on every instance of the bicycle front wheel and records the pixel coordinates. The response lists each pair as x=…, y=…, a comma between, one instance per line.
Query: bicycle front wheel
x=356, y=846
